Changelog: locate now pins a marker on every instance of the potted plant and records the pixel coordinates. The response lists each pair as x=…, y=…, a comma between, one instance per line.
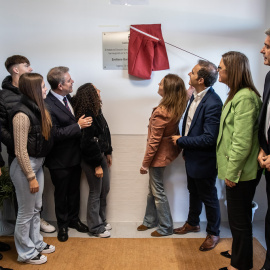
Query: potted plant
x=6, y=192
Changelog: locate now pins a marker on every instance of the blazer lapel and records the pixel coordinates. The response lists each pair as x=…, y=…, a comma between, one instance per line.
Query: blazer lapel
x=263, y=112
x=200, y=106
x=61, y=106
x=224, y=114
x=185, y=117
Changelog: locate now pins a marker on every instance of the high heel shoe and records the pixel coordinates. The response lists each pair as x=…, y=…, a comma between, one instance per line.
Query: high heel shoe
x=226, y=254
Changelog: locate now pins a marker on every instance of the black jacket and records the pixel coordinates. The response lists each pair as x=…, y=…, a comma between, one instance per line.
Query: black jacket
x=96, y=140
x=37, y=146
x=262, y=118
x=2, y=162
x=66, y=133
x=9, y=97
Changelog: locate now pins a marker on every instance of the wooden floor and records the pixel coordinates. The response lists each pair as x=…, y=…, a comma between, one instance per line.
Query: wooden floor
x=131, y=254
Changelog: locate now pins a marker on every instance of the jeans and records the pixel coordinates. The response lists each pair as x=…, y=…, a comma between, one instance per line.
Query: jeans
x=28, y=240
x=97, y=200
x=157, y=211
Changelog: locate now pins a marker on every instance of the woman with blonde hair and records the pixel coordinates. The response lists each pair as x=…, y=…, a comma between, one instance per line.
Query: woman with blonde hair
x=237, y=152
x=32, y=141
x=160, y=152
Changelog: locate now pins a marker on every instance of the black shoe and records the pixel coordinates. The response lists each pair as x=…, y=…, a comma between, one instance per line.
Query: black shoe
x=4, y=246
x=79, y=226
x=2, y=268
x=62, y=234
x=223, y=268
x=226, y=254
x=1, y=257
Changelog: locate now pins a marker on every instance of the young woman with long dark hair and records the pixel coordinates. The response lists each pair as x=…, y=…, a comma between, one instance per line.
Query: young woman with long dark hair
x=96, y=157
x=32, y=141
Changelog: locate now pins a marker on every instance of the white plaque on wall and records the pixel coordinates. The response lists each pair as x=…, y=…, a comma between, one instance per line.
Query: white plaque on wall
x=115, y=50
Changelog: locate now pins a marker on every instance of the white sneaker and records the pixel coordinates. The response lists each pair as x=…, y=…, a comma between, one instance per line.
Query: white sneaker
x=46, y=227
x=105, y=234
x=108, y=227
x=48, y=249
x=39, y=259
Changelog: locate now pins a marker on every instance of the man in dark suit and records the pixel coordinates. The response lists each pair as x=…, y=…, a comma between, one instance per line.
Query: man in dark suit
x=264, y=139
x=200, y=131
x=64, y=159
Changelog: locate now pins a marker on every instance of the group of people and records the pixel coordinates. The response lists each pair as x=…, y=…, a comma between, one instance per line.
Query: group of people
x=63, y=133
x=229, y=141
x=68, y=134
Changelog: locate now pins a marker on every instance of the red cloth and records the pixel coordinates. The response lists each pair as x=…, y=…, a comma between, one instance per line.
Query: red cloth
x=145, y=53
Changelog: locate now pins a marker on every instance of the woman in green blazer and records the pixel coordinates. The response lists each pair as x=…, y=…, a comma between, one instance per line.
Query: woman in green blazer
x=237, y=152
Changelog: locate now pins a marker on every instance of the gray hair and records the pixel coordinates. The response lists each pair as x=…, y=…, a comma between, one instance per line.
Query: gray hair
x=56, y=76
x=267, y=32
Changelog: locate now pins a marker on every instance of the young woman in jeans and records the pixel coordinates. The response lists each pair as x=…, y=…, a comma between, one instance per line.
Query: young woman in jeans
x=32, y=141
x=160, y=152
x=96, y=157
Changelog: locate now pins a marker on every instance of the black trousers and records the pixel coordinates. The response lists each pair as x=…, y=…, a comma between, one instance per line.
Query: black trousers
x=203, y=190
x=66, y=194
x=267, y=222
x=239, y=207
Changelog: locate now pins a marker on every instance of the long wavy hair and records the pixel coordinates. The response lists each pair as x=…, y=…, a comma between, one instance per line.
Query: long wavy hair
x=86, y=99
x=175, y=96
x=238, y=73
x=30, y=86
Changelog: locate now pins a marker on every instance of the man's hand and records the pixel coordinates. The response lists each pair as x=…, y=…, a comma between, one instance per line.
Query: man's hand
x=260, y=158
x=175, y=138
x=98, y=172
x=85, y=122
x=109, y=160
x=143, y=170
x=229, y=183
x=34, y=186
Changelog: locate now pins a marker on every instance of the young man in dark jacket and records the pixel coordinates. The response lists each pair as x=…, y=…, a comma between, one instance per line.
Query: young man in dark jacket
x=16, y=65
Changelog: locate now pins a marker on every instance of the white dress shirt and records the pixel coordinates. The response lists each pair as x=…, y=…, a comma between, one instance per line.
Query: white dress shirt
x=60, y=98
x=193, y=106
x=267, y=120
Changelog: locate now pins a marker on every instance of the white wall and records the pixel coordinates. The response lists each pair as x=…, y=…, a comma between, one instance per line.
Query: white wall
x=66, y=32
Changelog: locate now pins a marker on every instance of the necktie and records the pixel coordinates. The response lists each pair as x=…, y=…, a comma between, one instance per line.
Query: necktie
x=66, y=104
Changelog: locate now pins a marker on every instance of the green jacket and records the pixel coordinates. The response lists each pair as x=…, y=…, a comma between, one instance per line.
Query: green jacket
x=237, y=143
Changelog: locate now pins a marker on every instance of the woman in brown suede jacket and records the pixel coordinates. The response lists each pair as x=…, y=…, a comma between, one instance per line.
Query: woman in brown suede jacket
x=160, y=151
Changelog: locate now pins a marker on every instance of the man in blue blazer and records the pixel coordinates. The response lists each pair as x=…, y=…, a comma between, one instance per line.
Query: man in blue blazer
x=264, y=139
x=200, y=132
x=65, y=157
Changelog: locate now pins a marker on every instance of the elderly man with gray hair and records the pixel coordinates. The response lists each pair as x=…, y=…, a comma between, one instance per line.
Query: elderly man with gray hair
x=264, y=139
x=65, y=158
